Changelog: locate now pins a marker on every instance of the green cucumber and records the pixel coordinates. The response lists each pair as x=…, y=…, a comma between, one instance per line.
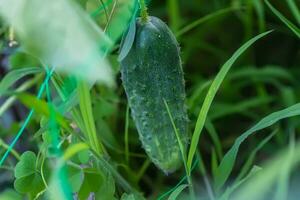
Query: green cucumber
x=151, y=73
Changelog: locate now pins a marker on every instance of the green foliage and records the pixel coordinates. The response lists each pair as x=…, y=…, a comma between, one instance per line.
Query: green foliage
x=84, y=143
x=176, y=192
x=227, y=162
x=151, y=74
x=211, y=94
x=28, y=179
x=10, y=195
x=289, y=24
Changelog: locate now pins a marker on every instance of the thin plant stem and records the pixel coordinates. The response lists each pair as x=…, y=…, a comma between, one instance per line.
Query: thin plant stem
x=144, y=12
x=126, y=136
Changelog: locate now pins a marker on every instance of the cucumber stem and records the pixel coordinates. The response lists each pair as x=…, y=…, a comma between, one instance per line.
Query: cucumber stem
x=144, y=12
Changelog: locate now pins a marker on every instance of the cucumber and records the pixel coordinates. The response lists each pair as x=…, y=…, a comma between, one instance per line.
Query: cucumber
x=151, y=72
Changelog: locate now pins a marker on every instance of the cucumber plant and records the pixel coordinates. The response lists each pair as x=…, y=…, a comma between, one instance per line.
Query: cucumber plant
x=152, y=73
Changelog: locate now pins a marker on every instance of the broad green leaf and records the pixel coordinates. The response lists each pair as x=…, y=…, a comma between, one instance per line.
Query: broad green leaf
x=75, y=177
x=62, y=35
x=211, y=94
x=92, y=182
x=28, y=180
x=84, y=156
x=26, y=165
x=41, y=107
x=107, y=189
x=289, y=24
x=228, y=161
x=10, y=194
x=32, y=184
x=126, y=196
x=177, y=192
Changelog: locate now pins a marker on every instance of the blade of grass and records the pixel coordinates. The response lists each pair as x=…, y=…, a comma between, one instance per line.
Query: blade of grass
x=228, y=161
x=40, y=106
x=295, y=10
x=214, y=136
x=26, y=85
x=222, y=110
x=207, y=183
x=210, y=96
x=251, y=158
x=20, y=132
x=259, y=8
x=245, y=73
x=265, y=179
x=289, y=24
x=182, y=150
x=206, y=18
x=85, y=105
x=230, y=190
x=177, y=192
x=15, y=75
x=126, y=135
x=174, y=13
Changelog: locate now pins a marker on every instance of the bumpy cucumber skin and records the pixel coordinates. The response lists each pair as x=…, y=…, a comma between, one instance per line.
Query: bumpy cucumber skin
x=151, y=73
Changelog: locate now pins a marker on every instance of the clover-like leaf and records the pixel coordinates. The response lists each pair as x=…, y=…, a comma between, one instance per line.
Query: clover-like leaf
x=93, y=181
x=28, y=179
x=75, y=176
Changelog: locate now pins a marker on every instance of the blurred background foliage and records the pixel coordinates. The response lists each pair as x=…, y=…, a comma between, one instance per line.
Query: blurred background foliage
x=264, y=80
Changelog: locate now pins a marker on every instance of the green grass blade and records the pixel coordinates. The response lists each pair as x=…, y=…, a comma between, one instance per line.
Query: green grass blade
x=289, y=24
x=174, y=13
x=182, y=149
x=295, y=10
x=206, y=18
x=15, y=75
x=85, y=105
x=251, y=158
x=177, y=192
x=222, y=110
x=230, y=190
x=259, y=8
x=126, y=138
x=183, y=152
x=211, y=94
x=246, y=73
x=214, y=137
x=265, y=179
x=41, y=107
x=228, y=161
